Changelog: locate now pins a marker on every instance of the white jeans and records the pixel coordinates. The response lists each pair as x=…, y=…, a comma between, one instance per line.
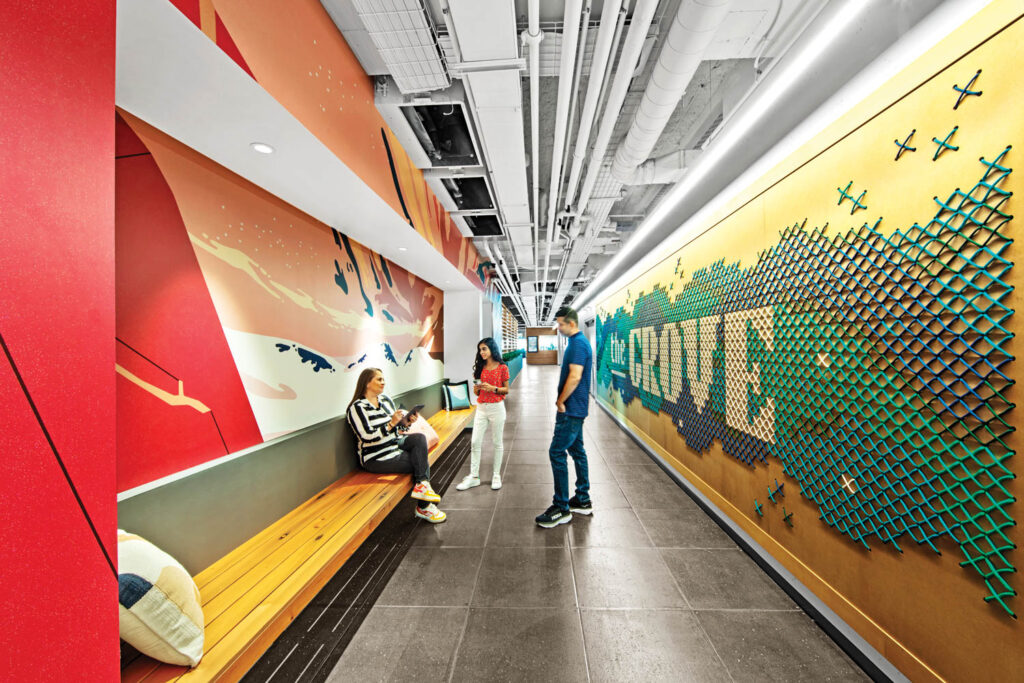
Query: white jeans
x=492, y=414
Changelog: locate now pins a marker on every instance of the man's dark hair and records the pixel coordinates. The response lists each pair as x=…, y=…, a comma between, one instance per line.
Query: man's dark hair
x=569, y=313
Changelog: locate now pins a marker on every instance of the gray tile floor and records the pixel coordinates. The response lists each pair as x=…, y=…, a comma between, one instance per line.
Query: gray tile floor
x=647, y=589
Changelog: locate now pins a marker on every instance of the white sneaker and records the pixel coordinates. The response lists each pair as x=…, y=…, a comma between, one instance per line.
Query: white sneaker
x=467, y=483
x=496, y=482
x=431, y=514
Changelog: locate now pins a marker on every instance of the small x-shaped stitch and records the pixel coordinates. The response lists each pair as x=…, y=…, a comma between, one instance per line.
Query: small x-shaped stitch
x=943, y=145
x=848, y=484
x=965, y=91
x=844, y=193
x=787, y=517
x=905, y=145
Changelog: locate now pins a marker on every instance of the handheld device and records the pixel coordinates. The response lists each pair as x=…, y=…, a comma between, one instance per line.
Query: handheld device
x=410, y=416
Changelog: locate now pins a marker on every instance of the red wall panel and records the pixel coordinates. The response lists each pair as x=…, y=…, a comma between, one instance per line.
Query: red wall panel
x=167, y=331
x=57, y=582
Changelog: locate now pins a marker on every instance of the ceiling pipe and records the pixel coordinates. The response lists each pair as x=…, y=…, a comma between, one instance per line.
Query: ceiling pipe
x=570, y=36
x=665, y=170
x=695, y=24
x=516, y=295
x=505, y=279
x=643, y=14
x=575, y=97
x=692, y=30
x=531, y=38
x=606, y=80
x=610, y=14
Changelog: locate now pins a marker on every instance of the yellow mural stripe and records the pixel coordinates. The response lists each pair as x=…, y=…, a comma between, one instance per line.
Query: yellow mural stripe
x=179, y=399
x=208, y=19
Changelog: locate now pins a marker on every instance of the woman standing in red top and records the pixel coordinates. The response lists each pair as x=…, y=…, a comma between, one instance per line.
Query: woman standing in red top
x=491, y=387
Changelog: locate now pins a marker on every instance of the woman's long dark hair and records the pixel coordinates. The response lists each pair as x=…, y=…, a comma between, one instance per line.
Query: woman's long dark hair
x=365, y=377
x=478, y=364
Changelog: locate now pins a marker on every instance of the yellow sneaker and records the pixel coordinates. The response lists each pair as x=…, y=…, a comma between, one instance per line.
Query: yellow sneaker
x=431, y=514
x=423, y=491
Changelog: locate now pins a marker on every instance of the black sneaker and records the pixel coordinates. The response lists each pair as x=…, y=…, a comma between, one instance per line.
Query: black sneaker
x=554, y=516
x=584, y=508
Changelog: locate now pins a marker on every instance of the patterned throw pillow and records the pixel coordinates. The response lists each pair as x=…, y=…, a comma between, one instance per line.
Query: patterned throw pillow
x=160, y=612
x=456, y=396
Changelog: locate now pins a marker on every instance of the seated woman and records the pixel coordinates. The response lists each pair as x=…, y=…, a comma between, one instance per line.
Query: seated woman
x=383, y=449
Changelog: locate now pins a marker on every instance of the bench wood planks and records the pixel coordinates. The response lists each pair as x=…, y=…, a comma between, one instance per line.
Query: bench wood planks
x=251, y=594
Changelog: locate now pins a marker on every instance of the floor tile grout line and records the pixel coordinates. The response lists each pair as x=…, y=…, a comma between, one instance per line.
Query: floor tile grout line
x=469, y=607
x=526, y=608
x=679, y=588
x=576, y=595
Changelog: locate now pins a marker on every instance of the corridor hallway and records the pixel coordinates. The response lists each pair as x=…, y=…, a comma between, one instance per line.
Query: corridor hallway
x=647, y=589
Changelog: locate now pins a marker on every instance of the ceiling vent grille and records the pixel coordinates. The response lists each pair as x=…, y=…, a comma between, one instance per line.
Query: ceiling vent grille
x=402, y=32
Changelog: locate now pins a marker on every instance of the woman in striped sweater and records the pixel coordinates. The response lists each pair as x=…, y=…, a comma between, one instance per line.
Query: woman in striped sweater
x=384, y=449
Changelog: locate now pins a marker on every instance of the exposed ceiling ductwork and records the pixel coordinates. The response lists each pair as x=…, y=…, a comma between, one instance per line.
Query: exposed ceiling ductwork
x=625, y=98
x=692, y=31
x=406, y=41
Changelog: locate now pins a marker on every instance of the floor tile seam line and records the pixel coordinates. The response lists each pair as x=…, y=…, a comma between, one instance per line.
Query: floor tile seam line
x=579, y=614
x=476, y=580
x=675, y=581
x=714, y=648
x=686, y=599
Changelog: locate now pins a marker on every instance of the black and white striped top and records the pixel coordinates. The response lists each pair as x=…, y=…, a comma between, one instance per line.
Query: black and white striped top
x=372, y=425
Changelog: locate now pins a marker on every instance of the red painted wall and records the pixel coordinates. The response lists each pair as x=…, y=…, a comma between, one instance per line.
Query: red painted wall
x=167, y=331
x=57, y=584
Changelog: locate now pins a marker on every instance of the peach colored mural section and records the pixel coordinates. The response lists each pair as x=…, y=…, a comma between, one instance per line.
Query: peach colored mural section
x=303, y=308
x=300, y=57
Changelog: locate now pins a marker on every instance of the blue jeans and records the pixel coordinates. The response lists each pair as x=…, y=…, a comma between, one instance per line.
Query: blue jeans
x=568, y=436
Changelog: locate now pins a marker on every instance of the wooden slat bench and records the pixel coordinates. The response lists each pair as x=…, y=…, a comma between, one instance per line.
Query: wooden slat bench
x=251, y=594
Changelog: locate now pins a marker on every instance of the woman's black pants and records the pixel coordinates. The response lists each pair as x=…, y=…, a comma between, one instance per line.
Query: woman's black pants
x=413, y=458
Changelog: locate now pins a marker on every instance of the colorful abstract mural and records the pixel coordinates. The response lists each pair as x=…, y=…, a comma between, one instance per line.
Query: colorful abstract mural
x=243, y=316
x=295, y=51
x=860, y=357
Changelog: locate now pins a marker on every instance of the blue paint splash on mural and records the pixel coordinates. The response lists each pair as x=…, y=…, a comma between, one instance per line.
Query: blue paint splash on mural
x=408, y=358
x=352, y=365
x=387, y=271
x=387, y=315
x=306, y=356
x=373, y=269
x=339, y=277
x=389, y=353
x=355, y=266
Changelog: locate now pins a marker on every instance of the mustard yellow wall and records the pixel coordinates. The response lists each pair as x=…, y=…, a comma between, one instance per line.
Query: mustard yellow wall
x=921, y=609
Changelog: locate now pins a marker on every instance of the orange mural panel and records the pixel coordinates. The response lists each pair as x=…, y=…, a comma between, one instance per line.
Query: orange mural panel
x=301, y=58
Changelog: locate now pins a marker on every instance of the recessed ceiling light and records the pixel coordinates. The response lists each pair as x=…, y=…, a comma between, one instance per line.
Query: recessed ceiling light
x=261, y=147
x=401, y=249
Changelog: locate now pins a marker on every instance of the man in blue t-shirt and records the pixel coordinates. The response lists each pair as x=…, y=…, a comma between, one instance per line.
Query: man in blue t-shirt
x=572, y=404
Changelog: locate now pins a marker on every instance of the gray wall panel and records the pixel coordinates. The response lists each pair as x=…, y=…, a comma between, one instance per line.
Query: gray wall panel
x=203, y=516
